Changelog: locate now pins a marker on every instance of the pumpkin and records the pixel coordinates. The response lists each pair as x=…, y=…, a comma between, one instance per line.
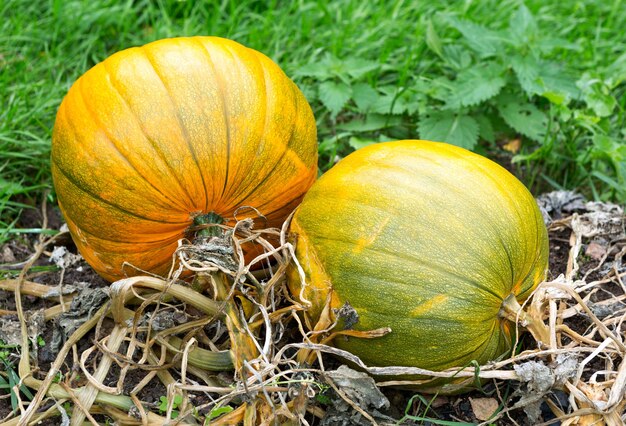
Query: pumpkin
x=426, y=238
x=181, y=129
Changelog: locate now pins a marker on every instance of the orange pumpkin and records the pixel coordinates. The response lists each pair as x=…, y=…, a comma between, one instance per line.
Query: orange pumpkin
x=156, y=136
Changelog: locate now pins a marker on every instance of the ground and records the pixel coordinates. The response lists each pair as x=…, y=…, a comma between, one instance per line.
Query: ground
x=587, y=242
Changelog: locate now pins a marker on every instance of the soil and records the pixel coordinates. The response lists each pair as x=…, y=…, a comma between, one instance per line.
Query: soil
x=403, y=403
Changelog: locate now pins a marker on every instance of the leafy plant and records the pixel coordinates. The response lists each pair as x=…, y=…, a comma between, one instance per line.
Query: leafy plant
x=58, y=377
x=67, y=406
x=487, y=86
x=178, y=399
x=496, y=76
x=509, y=72
x=11, y=380
x=339, y=86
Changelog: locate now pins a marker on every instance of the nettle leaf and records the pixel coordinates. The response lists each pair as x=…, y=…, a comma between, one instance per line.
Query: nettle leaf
x=523, y=117
x=446, y=126
x=478, y=84
x=437, y=88
x=457, y=56
x=357, y=143
x=481, y=39
x=607, y=146
x=358, y=67
x=364, y=96
x=526, y=70
x=390, y=104
x=544, y=78
x=548, y=44
x=309, y=91
x=334, y=96
x=602, y=104
x=557, y=79
x=360, y=142
x=372, y=122
x=331, y=67
x=394, y=101
x=320, y=70
x=596, y=95
x=522, y=24
x=560, y=100
x=485, y=128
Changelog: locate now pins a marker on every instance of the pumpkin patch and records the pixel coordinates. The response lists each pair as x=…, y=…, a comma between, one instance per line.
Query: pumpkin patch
x=411, y=286
x=425, y=238
x=156, y=136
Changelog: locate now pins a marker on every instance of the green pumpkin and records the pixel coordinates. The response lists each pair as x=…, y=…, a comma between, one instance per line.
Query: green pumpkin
x=427, y=239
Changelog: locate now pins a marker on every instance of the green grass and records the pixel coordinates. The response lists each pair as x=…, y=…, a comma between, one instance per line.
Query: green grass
x=10, y=380
x=476, y=73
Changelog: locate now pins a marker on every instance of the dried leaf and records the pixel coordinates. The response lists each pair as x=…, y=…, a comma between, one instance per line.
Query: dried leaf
x=60, y=290
x=6, y=255
x=83, y=306
x=604, y=309
x=565, y=367
x=557, y=204
x=483, y=408
x=164, y=320
x=358, y=386
x=596, y=223
x=349, y=315
x=10, y=332
x=63, y=258
x=361, y=389
x=539, y=380
x=595, y=251
x=538, y=376
x=513, y=146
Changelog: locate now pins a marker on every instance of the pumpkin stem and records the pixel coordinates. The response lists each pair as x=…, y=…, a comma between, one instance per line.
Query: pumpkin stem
x=243, y=347
x=511, y=310
x=204, y=358
x=209, y=218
